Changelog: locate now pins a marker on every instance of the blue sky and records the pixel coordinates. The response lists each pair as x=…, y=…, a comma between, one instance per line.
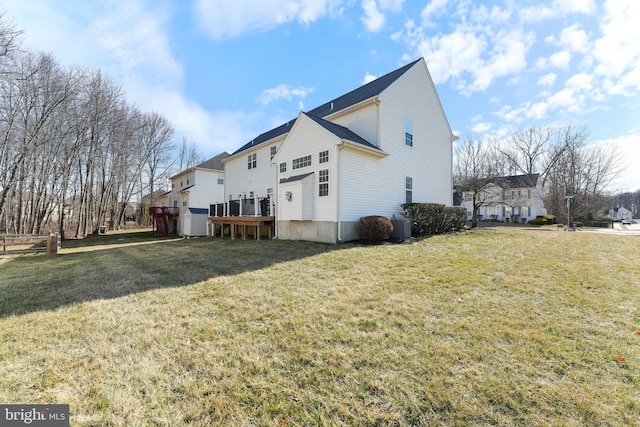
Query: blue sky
x=225, y=71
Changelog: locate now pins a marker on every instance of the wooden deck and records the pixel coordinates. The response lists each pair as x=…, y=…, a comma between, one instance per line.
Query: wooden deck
x=242, y=225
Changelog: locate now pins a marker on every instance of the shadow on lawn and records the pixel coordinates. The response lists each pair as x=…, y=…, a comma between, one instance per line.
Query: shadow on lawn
x=29, y=284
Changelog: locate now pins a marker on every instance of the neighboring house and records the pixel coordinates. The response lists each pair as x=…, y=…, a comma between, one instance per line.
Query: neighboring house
x=619, y=214
x=516, y=198
x=364, y=153
x=192, y=191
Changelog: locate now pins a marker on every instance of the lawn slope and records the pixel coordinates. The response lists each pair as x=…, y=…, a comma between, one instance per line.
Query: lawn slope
x=490, y=327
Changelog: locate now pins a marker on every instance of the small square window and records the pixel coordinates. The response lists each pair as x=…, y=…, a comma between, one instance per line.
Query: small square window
x=323, y=157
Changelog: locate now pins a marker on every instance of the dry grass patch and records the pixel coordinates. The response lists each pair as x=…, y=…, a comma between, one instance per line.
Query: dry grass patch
x=492, y=327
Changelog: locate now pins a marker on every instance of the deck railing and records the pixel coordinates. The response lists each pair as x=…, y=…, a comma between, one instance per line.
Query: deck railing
x=256, y=206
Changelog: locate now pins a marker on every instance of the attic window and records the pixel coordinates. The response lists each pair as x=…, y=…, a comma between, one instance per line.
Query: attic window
x=273, y=152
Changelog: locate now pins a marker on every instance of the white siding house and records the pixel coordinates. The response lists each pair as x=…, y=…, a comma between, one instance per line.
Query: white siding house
x=364, y=153
x=516, y=198
x=192, y=191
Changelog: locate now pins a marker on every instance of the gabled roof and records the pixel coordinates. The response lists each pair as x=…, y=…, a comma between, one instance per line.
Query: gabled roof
x=214, y=163
x=342, y=132
x=371, y=89
x=367, y=91
x=273, y=133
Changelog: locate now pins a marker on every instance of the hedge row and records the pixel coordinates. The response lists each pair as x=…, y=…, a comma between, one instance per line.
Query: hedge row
x=434, y=218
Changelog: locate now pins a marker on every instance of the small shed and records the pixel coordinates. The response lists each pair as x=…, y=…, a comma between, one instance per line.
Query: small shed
x=195, y=222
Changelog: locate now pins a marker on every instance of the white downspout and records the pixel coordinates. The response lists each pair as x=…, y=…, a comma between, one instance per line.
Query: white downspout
x=339, y=151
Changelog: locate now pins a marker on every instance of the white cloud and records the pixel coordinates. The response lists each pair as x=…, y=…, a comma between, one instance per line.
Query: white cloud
x=282, y=91
x=617, y=52
x=226, y=19
x=391, y=5
x=575, y=38
x=560, y=60
x=482, y=127
x=373, y=19
x=558, y=8
x=368, y=78
x=435, y=7
x=629, y=148
x=547, y=79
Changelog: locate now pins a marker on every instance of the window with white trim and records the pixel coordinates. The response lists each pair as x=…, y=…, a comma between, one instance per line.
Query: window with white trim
x=301, y=162
x=283, y=167
x=323, y=156
x=408, y=132
x=252, y=161
x=323, y=183
x=273, y=152
x=408, y=188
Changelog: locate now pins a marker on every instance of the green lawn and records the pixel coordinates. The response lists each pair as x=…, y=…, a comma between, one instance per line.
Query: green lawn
x=490, y=327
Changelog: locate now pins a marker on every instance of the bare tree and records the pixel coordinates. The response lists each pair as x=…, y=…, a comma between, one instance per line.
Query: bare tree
x=158, y=149
x=9, y=36
x=188, y=155
x=583, y=171
x=477, y=170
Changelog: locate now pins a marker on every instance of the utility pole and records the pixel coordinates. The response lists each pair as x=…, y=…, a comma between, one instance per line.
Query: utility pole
x=568, y=198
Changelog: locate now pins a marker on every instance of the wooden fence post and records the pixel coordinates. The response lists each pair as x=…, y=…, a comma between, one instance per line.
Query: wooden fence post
x=49, y=238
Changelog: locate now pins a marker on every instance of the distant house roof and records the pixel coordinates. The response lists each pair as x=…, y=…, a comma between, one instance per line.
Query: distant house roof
x=516, y=181
x=512, y=181
x=214, y=162
x=371, y=89
x=199, y=211
x=295, y=178
x=342, y=132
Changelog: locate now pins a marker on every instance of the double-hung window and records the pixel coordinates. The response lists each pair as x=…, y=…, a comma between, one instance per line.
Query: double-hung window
x=408, y=132
x=283, y=167
x=252, y=161
x=408, y=187
x=323, y=183
x=273, y=152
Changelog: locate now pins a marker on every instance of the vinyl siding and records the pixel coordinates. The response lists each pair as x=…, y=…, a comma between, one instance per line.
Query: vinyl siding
x=309, y=138
x=239, y=179
x=364, y=122
x=429, y=161
x=374, y=186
